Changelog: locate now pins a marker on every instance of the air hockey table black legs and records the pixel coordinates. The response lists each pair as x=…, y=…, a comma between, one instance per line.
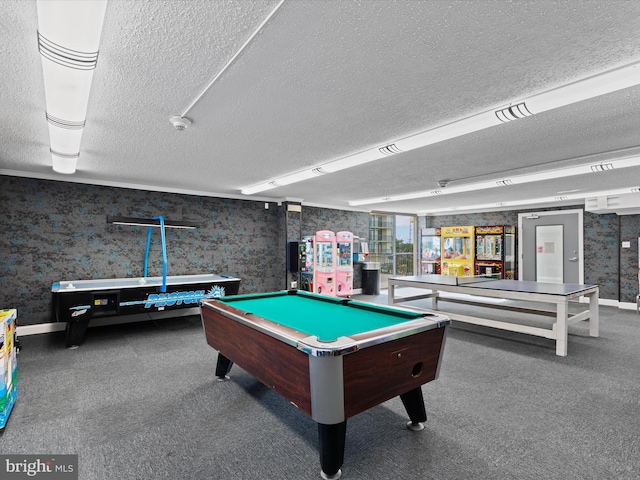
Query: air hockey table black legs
x=75, y=332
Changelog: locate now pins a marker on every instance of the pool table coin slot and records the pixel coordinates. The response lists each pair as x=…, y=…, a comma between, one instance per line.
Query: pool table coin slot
x=398, y=356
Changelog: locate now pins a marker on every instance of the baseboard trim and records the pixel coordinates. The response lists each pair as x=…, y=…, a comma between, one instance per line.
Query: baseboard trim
x=24, y=330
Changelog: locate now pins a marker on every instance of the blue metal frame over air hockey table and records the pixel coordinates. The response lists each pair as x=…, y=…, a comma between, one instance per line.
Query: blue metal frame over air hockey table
x=77, y=302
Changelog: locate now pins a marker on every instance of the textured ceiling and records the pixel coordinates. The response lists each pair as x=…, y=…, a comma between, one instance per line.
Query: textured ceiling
x=326, y=79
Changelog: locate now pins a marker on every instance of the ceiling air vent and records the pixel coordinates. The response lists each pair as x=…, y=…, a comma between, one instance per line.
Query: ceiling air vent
x=319, y=171
x=504, y=183
x=513, y=112
x=390, y=149
x=602, y=167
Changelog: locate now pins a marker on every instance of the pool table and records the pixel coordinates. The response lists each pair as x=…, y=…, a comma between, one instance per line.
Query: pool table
x=331, y=358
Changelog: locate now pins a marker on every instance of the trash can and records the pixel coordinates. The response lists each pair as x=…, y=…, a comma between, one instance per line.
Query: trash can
x=371, y=278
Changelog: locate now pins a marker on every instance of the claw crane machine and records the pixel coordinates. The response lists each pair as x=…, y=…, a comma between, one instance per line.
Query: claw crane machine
x=458, y=251
x=306, y=264
x=495, y=246
x=430, y=245
x=324, y=270
x=344, y=266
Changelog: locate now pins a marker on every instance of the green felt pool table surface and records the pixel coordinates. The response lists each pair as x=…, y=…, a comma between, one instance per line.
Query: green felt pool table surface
x=326, y=318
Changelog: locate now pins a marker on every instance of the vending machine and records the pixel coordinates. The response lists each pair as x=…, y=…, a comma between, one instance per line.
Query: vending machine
x=306, y=264
x=430, y=245
x=495, y=251
x=344, y=266
x=457, y=251
x=324, y=269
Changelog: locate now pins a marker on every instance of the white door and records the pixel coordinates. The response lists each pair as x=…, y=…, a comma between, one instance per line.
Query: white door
x=566, y=263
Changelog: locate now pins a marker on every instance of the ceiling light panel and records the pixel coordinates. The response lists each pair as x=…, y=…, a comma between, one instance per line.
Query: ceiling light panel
x=68, y=41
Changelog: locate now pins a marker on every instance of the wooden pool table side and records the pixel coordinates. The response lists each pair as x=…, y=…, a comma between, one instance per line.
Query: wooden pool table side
x=276, y=364
x=368, y=381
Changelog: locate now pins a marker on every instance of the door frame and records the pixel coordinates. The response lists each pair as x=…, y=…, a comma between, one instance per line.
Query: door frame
x=579, y=213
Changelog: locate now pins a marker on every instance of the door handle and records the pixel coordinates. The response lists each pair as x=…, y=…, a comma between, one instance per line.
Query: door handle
x=573, y=259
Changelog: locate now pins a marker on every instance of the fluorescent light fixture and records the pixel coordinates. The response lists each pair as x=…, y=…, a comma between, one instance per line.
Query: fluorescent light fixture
x=68, y=40
x=590, y=87
x=514, y=180
x=286, y=180
x=531, y=201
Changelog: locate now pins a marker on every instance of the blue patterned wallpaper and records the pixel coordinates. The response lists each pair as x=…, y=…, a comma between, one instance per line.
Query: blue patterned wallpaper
x=604, y=260
x=53, y=231
x=629, y=267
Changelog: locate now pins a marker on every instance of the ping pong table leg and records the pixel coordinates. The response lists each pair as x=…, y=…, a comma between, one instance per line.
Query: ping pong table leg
x=562, y=329
x=594, y=315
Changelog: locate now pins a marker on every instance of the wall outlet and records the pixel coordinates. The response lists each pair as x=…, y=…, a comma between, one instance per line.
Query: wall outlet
x=294, y=284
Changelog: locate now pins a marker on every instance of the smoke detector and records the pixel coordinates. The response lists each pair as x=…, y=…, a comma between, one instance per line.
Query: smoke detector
x=180, y=123
x=443, y=183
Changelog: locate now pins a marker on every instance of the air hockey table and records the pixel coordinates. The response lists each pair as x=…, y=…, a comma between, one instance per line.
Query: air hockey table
x=77, y=302
x=482, y=288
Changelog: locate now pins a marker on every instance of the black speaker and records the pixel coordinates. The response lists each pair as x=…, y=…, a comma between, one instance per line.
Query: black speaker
x=293, y=256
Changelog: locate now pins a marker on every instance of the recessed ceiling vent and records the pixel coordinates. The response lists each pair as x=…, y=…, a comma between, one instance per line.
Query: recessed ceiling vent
x=390, y=149
x=602, y=167
x=319, y=171
x=513, y=112
x=504, y=183
x=66, y=56
x=68, y=124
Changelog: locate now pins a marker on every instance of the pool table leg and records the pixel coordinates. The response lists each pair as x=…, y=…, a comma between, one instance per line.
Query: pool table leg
x=332, y=439
x=413, y=402
x=223, y=366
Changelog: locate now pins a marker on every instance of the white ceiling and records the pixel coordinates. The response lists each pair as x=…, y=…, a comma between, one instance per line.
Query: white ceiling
x=325, y=79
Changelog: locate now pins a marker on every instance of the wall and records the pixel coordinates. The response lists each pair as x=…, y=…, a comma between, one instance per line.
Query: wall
x=53, y=231
x=629, y=267
x=613, y=269
x=314, y=219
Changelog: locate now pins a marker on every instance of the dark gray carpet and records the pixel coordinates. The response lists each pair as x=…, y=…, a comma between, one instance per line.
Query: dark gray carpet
x=140, y=401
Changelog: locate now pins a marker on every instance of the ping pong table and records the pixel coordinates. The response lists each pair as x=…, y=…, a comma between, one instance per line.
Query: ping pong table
x=558, y=294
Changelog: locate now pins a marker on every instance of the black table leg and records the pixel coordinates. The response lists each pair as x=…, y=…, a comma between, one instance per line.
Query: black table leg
x=223, y=366
x=332, y=439
x=413, y=402
x=75, y=332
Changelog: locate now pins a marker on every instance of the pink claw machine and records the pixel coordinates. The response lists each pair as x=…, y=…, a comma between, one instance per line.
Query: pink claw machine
x=324, y=270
